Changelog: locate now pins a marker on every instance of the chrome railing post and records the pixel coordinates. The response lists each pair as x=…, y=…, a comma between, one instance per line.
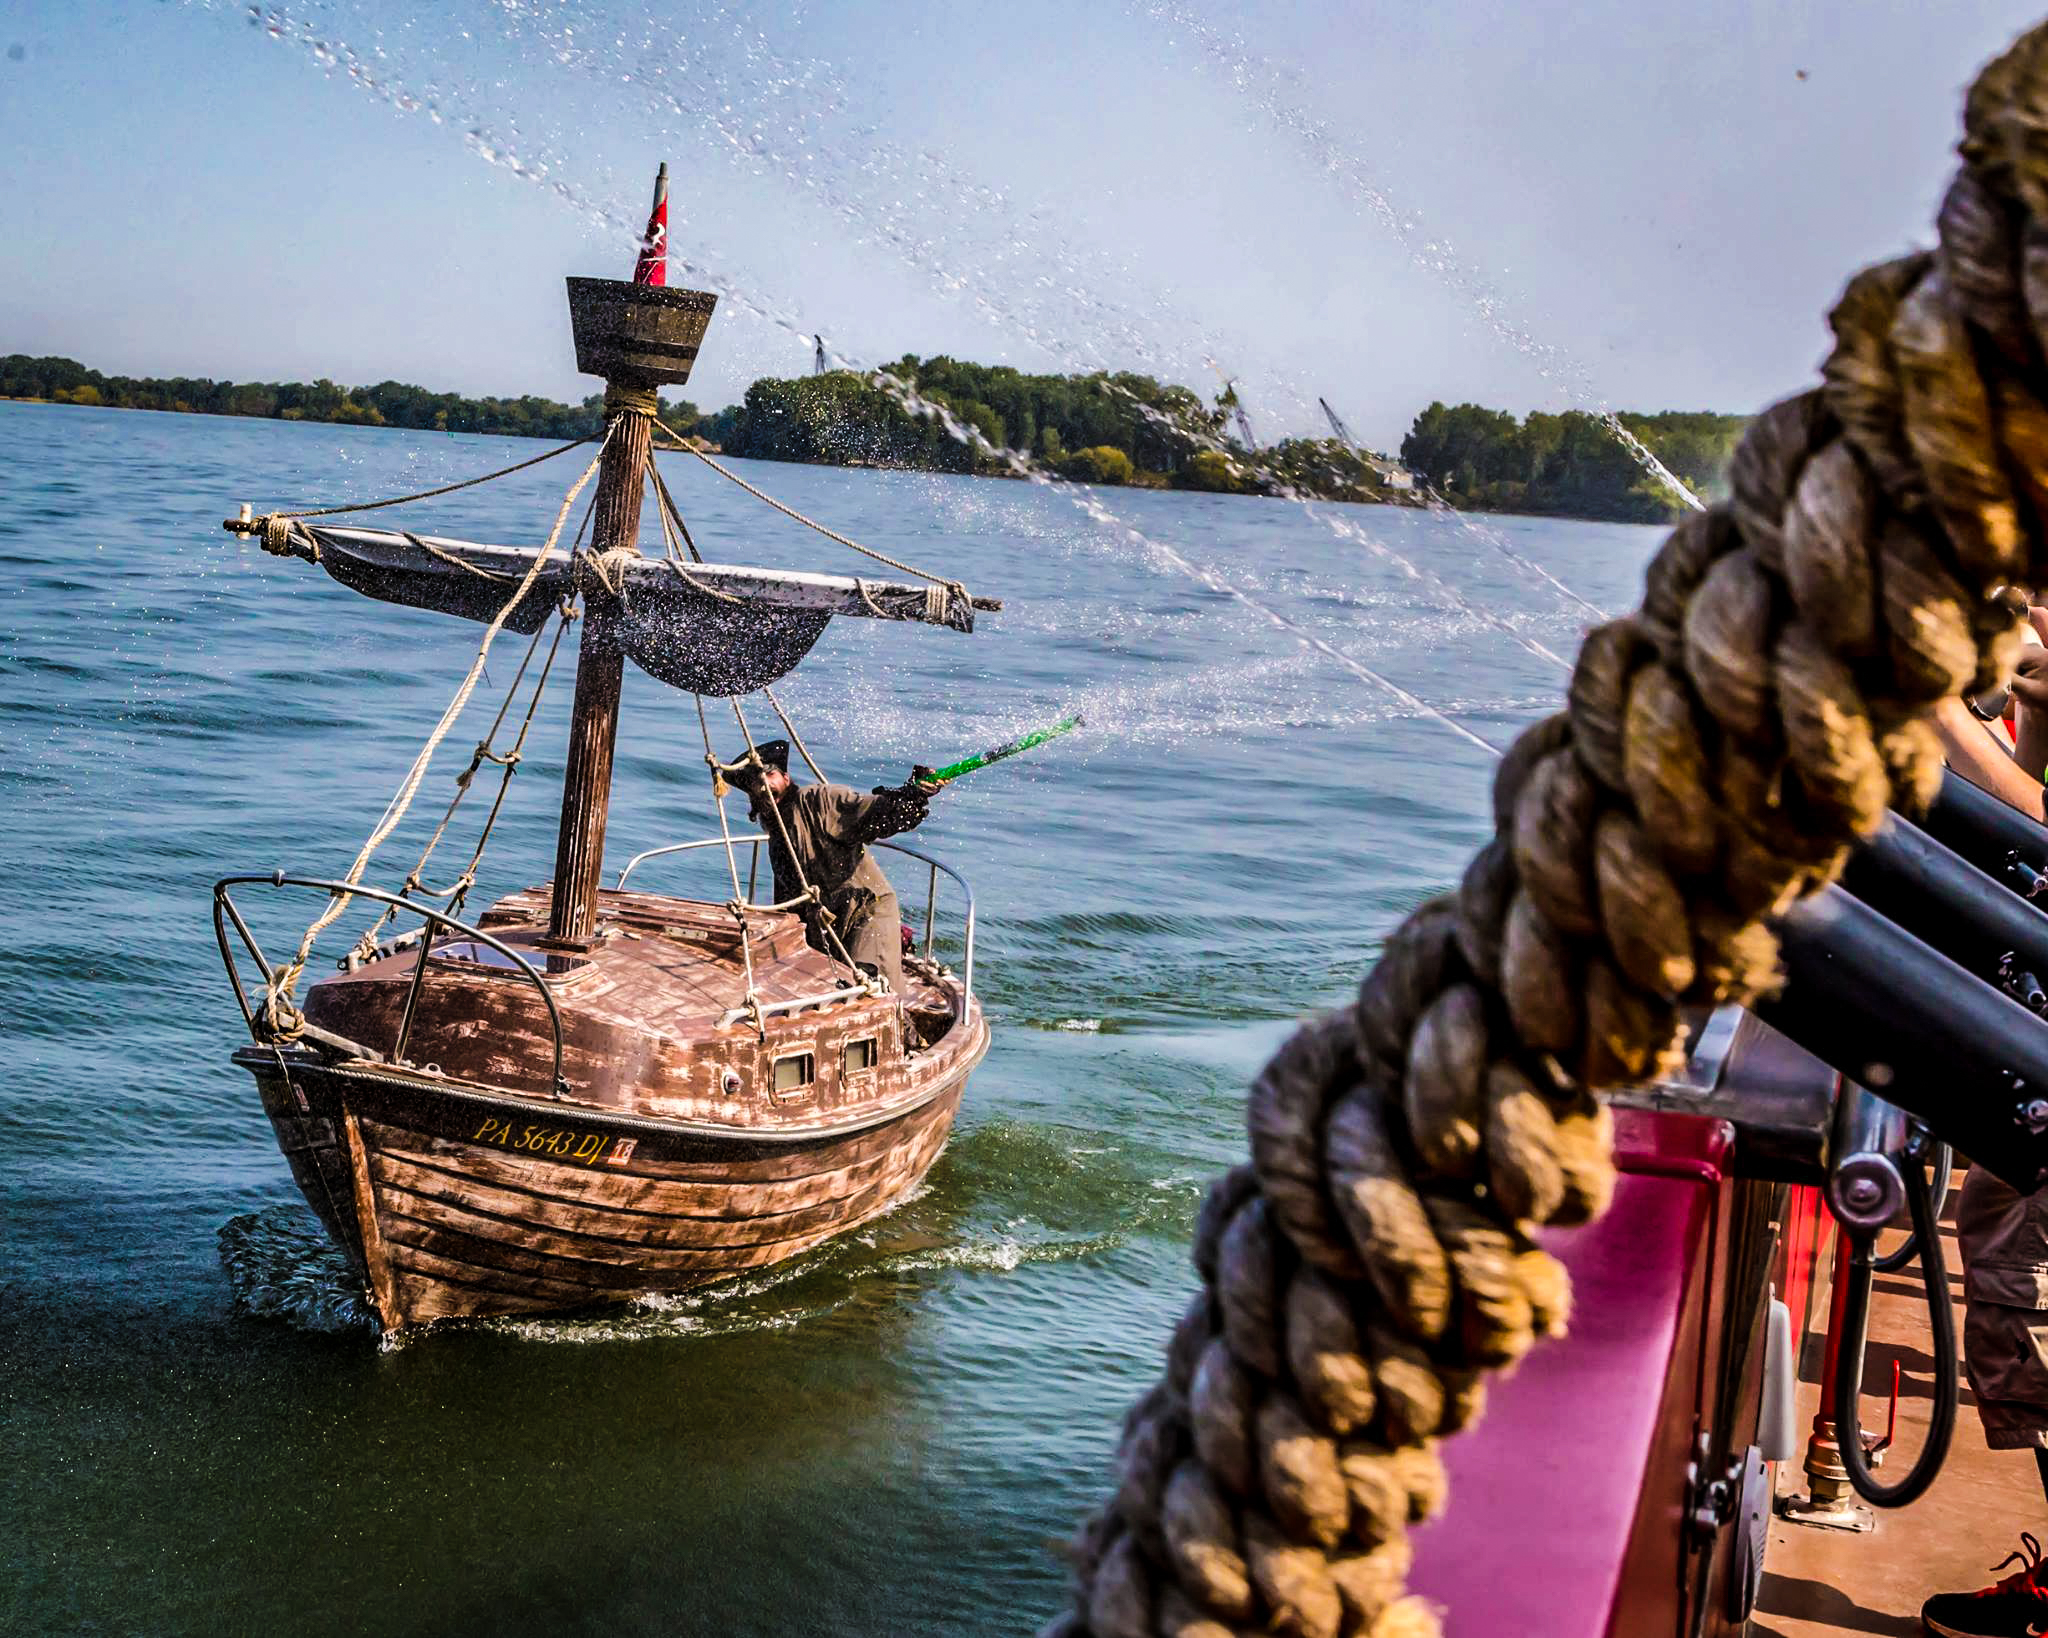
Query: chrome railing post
x=967, y=962
x=931, y=902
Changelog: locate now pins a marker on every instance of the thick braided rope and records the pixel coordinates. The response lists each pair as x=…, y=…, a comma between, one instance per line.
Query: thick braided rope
x=1722, y=747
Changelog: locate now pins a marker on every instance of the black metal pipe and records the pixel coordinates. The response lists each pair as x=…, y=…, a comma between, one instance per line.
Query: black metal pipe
x=1892, y=1013
x=1906, y=876
x=1983, y=829
x=1941, y=1316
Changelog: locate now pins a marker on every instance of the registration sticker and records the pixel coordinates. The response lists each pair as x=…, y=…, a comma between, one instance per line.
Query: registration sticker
x=622, y=1151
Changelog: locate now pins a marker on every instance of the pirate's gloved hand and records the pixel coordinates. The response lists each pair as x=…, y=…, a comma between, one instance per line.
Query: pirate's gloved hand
x=922, y=782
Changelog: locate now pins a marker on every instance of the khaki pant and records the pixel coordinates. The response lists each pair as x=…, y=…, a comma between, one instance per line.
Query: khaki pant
x=2003, y=1237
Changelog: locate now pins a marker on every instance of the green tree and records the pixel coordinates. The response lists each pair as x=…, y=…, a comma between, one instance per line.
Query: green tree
x=1216, y=472
x=1102, y=464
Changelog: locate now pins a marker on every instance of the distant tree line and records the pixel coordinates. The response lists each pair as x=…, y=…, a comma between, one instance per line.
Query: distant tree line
x=388, y=404
x=1105, y=428
x=1569, y=464
x=1065, y=421
x=1109, y=428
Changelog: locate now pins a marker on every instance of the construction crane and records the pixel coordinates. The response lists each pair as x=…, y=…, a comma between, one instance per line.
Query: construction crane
x=1338, y=427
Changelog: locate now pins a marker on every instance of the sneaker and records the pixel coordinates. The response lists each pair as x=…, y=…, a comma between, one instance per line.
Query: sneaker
x=2016, y=1607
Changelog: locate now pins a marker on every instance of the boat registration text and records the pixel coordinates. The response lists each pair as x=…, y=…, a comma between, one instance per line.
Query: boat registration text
x=556, y=1142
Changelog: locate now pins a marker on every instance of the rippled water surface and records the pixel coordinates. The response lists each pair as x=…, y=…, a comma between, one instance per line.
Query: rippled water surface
x=202, y=1433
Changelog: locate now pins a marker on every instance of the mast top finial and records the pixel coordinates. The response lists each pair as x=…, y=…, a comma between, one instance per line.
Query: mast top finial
x=652, y=267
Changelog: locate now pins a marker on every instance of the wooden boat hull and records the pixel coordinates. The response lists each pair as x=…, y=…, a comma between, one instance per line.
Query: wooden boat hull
x=456, y=1201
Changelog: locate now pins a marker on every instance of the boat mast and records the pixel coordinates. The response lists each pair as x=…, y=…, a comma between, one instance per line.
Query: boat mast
x=637, y=336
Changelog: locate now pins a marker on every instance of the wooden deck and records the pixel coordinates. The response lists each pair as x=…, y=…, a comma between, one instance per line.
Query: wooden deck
x=1818, y=1583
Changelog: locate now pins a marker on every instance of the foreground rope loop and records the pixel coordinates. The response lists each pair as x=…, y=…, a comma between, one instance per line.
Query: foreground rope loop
x=1722, y=748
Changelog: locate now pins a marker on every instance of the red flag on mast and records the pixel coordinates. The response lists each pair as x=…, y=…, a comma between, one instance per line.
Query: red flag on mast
x=652, y=267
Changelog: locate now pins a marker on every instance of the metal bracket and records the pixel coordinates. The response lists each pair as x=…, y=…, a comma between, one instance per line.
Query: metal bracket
x=1709, y=1500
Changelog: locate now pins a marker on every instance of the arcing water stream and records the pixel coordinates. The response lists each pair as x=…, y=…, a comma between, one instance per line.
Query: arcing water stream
x=1268, y=89
x=547, y=173
x=771, y=116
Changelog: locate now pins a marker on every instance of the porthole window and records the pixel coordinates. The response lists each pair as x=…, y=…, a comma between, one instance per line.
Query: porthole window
x=859, y=1055
x=794, y=1073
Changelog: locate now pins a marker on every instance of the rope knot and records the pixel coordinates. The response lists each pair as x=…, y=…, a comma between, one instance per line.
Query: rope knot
x=277, y=534
x=622, y=398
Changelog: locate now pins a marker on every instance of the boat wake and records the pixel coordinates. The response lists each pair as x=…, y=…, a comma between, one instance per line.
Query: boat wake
x=281, y=1265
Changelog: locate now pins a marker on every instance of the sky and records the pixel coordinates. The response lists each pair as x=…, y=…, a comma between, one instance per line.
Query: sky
x=1529, y=206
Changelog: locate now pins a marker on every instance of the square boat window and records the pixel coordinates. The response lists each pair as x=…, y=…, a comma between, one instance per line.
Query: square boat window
x=793, y=1074
x=859, y=1055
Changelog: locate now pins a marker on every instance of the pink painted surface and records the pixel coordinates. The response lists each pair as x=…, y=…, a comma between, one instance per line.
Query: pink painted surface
x=1544, y=1492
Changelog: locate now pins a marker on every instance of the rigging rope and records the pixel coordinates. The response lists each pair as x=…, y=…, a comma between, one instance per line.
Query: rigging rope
x=738, y=904
x=508, y=760
x=671, y=521
x=1373, y=1263
x=954, y=586
x=826, y=920
x=668, y=506
x=795, y=738
x=279, y=1009
x=445, y=489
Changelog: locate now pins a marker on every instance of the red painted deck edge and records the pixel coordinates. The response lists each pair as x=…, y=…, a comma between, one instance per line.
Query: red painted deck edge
x=1545, y=1498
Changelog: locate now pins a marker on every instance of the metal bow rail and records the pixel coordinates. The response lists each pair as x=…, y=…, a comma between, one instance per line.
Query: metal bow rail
x=224, y=907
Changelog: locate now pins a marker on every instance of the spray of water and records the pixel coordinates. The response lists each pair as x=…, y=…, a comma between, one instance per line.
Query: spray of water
x=807, y=159
x=504, y=150
x=1271, y=90
x=1346, y=529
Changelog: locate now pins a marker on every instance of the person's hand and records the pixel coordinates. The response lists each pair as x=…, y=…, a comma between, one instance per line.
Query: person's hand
x=2030, y=681
x=925, y=785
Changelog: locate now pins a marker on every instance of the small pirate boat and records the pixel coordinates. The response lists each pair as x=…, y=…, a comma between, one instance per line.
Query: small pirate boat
x=587, y=1094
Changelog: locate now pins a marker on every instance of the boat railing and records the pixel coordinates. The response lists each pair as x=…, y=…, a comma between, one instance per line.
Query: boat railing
x=934, y=869
x=226, y=911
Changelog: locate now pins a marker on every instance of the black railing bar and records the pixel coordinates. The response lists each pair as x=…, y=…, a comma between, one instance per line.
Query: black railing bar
x=426, y=913
x=412, y=997
x=227, y=958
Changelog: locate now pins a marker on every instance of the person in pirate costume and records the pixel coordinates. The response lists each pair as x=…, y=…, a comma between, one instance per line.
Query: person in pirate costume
x=819, y=834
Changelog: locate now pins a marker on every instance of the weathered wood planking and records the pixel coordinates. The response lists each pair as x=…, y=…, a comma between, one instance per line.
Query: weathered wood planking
x=467, y=1190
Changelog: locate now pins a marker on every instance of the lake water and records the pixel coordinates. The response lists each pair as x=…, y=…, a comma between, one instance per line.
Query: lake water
x=884, y=1437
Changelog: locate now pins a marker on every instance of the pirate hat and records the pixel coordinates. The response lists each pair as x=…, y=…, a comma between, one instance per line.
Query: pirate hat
x=774, y=753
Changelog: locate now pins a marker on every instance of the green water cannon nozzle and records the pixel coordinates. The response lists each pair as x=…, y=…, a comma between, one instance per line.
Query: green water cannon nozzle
x=996, y=753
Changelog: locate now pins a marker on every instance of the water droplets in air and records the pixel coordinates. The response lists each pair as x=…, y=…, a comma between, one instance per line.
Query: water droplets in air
x=709, y=86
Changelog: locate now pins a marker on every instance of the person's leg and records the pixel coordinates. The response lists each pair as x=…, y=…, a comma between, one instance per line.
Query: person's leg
x=2003, y=1240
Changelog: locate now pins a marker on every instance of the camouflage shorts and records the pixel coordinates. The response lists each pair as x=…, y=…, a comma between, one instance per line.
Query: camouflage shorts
x=2003, y=1237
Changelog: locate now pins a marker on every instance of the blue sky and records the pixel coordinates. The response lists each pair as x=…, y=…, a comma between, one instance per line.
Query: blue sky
x=1530, y=206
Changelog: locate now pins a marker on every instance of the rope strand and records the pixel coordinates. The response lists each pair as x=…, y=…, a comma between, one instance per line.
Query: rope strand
x=954, y=586
x=445, y=489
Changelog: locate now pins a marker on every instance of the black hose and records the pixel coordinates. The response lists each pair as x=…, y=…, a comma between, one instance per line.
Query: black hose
x=1902, y=1254
x=1849, y=1361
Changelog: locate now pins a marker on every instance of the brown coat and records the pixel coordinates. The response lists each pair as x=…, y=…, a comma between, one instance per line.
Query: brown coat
x=829, y=827
x=2003, y=1237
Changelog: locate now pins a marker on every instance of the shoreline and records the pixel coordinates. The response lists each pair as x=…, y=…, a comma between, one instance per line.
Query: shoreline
x=1156, y=486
